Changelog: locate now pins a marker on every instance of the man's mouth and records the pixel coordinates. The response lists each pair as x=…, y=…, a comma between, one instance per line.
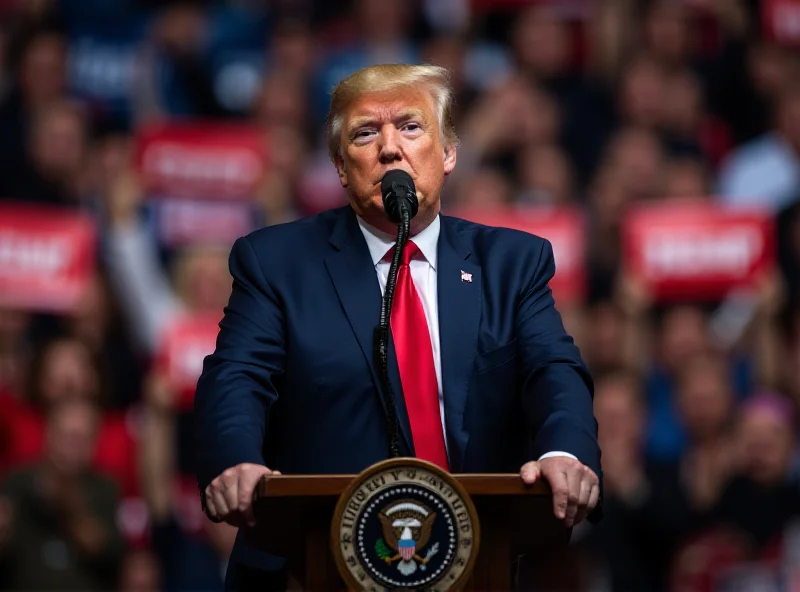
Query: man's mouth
x=380, y=179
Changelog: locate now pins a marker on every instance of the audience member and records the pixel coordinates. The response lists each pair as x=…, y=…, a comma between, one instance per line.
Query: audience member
x=599, y=107
x=59, y=515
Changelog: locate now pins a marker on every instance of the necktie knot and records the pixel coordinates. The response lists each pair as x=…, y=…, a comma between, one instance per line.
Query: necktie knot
x=410, y=252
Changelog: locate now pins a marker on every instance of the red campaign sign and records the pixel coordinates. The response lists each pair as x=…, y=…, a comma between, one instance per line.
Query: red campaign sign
x=781, y=20
x=184, y=222
x=201, y=160
x=185, y=344
x=565, y=228
x=700, y=251
x=47, y=257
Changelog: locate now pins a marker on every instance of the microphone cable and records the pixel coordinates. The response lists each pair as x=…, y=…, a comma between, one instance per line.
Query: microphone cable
x=401, y=204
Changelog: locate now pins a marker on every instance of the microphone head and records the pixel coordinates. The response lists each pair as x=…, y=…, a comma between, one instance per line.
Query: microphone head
x=399, y=193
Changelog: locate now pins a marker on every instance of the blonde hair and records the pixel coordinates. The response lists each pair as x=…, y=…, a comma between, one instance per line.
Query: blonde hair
x=389, y=77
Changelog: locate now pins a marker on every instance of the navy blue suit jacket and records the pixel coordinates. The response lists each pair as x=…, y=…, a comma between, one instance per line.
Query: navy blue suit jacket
x=292, y=383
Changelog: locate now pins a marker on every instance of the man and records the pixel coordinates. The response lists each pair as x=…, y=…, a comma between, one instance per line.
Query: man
x=58, y=525
x=492, y=381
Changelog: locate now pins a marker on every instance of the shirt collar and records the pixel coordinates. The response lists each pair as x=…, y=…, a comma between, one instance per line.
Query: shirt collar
x=379, y=242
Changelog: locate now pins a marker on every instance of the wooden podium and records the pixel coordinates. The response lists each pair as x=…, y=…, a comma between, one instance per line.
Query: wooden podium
x=296, y=513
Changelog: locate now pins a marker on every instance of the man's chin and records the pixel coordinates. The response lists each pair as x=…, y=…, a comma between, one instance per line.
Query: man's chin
x=371, y=210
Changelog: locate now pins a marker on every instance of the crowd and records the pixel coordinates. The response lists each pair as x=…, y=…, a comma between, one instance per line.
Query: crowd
x=594, y=105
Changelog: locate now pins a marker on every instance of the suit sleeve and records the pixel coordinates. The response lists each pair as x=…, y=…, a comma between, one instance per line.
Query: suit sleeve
x=557, y=387
x=237, y=385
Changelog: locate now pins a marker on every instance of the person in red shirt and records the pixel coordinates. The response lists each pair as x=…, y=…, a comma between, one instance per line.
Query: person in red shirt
x=63, y=369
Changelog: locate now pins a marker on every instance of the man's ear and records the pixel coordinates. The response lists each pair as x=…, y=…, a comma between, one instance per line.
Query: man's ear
x=449, y=157
x=340, y=170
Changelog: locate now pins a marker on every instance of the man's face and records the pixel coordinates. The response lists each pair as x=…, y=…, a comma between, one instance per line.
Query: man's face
x=705, y=401
x=620, y=419
x=766, y=447
x=71, y=434
x=393, y=130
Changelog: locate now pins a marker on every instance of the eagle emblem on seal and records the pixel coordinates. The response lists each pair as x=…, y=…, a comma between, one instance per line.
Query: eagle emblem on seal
x=406, y=528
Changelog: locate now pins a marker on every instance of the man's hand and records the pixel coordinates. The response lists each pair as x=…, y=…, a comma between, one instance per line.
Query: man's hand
x=229, y=497
x=576, y=488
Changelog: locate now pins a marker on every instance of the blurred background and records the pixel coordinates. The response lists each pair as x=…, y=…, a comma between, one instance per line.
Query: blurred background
x=656, y=144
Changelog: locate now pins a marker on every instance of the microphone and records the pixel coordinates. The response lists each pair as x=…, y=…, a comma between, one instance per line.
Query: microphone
x=401, y=205
x=399, y=195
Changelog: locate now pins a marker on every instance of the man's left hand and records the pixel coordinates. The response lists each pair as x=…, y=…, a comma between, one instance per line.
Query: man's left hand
x=575, y=486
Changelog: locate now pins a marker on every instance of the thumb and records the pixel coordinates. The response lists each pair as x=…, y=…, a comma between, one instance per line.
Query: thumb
x=249, y=510
x=530, y=472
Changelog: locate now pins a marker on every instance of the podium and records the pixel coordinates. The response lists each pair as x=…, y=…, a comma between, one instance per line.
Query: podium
x=295, y=515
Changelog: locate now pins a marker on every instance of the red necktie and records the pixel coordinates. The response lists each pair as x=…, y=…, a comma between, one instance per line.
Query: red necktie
x=415, y=361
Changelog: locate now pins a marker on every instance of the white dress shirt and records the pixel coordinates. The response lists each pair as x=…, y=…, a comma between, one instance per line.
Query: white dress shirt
x=423, y=272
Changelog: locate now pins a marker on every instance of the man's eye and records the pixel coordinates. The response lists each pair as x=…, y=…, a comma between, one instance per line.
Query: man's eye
x=363, y=133
x=412, y=126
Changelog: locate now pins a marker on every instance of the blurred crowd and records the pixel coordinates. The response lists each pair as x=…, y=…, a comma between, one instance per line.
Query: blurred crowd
x=593, y=104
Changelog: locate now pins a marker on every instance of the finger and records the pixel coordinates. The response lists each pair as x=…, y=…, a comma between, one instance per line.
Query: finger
x=594, y=497
x=558, y=483
x=220, y=504
x=220, y=492
x=231, y=494
x=530, y=472
x=211, y=507
x=583, y=500
x=574, y=487
x=244, y=500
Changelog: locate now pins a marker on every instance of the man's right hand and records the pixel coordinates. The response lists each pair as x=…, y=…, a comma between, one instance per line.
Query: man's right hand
x=229, y=497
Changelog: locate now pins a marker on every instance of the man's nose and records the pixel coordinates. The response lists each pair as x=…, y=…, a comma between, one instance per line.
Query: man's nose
x=389, y=144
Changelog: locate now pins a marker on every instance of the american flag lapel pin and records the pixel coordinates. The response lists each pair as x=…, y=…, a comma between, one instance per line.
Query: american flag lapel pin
x=466, y=277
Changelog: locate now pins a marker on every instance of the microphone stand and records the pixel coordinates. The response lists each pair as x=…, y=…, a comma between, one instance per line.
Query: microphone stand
x=383, y=329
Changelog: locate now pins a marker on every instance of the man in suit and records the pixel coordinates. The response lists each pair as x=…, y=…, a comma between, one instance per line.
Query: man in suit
x=484, y=375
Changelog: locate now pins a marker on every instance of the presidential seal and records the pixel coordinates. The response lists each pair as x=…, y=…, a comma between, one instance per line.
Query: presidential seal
x=405, y=524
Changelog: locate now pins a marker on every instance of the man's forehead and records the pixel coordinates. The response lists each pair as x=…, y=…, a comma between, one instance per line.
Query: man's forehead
x=390, y=105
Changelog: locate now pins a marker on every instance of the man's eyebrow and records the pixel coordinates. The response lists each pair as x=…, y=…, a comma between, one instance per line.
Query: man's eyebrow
x=358, y=122
x=365, y=120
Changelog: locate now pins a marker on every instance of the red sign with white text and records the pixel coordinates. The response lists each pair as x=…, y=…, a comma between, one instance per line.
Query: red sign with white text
x=565, y=228
x=201, y=160
x=47, y=257
x=185, y=344
x=781, y=21
x=699, y=251
x=189, y=221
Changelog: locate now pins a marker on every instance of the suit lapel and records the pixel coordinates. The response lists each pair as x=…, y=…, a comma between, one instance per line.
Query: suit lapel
x=459, y=316
x=356, y=283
